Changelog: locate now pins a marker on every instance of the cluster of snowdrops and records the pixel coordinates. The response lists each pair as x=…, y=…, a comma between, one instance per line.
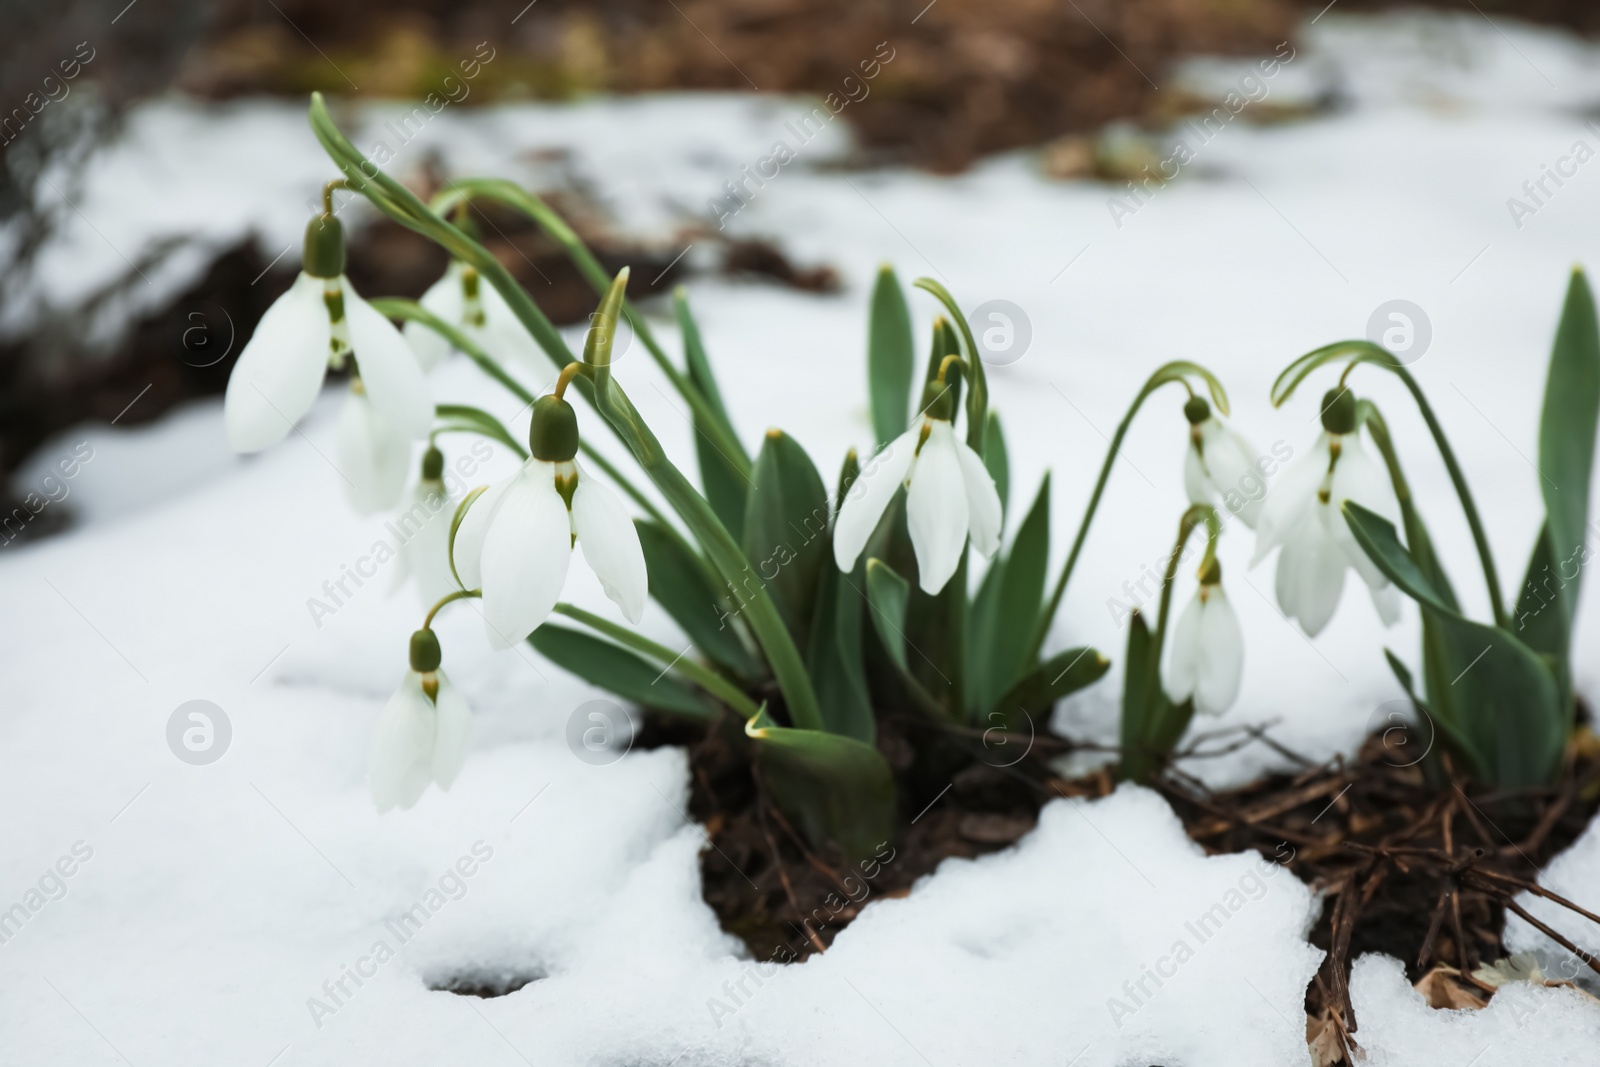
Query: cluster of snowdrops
x=889, y=573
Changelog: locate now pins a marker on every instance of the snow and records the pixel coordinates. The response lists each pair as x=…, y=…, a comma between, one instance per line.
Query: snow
x=215, y=901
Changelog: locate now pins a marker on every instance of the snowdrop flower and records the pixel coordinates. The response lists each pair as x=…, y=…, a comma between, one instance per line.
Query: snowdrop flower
x=1220, y=464
x=422, y=732
x=1302, y=515
x=320, y=322
x=516, y=540
x=462, y=299
x=949, y=495
x=1207, y=659
x=424, y=531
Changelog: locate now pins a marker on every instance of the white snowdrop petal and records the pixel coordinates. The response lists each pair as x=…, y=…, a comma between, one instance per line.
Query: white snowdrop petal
x=525, y=558
x=1316, y=569
x=1287, y=502
x=443, y=298
x=936, y=509
x=452, y=732
x=373, y=460
x=399, y=757
x=864, y=504
x=475, y=527
x=1183, y=660
x=1196, y=482
x=1221, y=656
x=1358, y=477
x=983, y=499
x=280, y=370
x=1231, y=461
x=1386, y=599
x=425, y=550
x=388, y=368
x=610, y=544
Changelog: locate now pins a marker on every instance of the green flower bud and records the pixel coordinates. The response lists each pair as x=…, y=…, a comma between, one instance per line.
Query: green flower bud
x=1196, y=410
x=939, y=401
x=1339, y=411
x=432, y=465
x=553, y=435
x=1212, y=574
x=425, y=654
x=324, y=253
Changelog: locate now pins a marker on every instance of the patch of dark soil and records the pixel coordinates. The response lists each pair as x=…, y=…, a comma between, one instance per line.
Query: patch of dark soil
x=484, y=984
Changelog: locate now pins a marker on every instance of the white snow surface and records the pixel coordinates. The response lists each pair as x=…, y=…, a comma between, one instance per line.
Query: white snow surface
x=208, y=905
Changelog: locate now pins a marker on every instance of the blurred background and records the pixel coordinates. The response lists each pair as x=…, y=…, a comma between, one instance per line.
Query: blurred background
x=117, y=309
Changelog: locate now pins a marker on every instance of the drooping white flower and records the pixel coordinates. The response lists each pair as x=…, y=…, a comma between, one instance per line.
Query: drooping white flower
x=464, y=300
x=516, y=540
x=423, y=528
x=949, y=496
x=320, y=322
x=422, y=733
x=1302, y=514
x=1220, y=465
x=1207, y=657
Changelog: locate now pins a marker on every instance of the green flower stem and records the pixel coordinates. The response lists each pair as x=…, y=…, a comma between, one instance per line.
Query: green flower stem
x=459, y=594
x=708, y=680
x=1367, y=352
x=556, y=228
x=394, y=307
x=1197, y=514
x=399, y=203
x=1176, y=371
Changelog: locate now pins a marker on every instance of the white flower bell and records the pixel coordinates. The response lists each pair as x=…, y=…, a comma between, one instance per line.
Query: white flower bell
x=464, y=300
x=424, y=532
x=949, y=495
x=1220, y=465
x=1207, y=658
x=516, y=540
x=422, y=732
x=1302, y=514
x=320, y=322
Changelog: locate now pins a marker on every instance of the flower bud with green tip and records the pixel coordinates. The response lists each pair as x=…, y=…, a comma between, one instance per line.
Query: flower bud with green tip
x=1207, y=658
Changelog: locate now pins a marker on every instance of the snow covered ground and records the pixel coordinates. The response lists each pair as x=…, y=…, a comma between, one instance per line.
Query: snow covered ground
x=217, y=913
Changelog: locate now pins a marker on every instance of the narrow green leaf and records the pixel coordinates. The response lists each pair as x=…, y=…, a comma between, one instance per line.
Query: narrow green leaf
x=455, y=526
x=1062, y=674
x=980, y=637
x=679, y=584
x=1151, y=724
x=1020, y=597
x=1567, y=436
x=889, y=357
x=615, y=669
x=786, y=529
x=887, y=594
x=694, y=356
x=1462, y=742
x=998, y=462
x=837, y=790
x=838, y=670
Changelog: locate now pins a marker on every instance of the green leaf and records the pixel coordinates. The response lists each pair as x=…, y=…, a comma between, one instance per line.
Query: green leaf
x=889, y=357
x=838, y=671
x=1543, y=621
x=786, y=529
x=1476, y=765
x=1150, y=723
x=1511, y=706
x=836, y=789
x=678, y=583
x=1020, y=596
x=724, y=481
x=455, y=527
x=1567, y=435
x=887, y=594
x=997, y=462
x=615, y=669
x=481, y=422
x=980, y=636
x=1060, y=675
